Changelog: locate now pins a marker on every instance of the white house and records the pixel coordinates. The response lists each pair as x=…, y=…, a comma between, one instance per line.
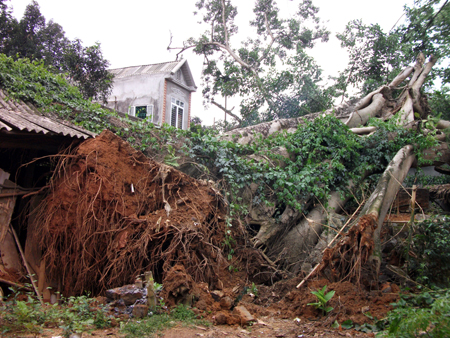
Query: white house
x=161, y=92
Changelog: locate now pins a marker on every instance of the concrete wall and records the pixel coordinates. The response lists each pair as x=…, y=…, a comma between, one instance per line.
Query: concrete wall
x=145, y=89
x=140, y=90
x=180, y=77
x=178, y=93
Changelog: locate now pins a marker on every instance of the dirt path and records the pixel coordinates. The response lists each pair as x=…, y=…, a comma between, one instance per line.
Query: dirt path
x=267, y=327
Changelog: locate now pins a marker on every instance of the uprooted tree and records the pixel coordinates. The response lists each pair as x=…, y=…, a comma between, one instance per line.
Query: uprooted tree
x=283, y=181
x=288, y=177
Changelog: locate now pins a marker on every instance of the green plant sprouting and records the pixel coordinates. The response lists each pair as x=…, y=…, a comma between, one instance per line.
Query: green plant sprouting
x=254, y=290
x=322, y=300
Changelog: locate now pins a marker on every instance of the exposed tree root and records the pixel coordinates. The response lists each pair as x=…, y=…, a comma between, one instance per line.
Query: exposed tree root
x=113, y=214
x=348, y=260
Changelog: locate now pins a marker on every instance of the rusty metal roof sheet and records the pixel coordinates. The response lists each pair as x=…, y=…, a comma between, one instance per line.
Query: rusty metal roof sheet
x=16, y=115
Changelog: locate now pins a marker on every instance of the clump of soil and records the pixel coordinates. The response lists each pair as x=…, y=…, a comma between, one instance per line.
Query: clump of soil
x=113, y=213
x=283, y=300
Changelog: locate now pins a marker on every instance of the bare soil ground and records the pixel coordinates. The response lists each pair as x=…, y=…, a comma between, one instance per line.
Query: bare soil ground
x=270, y=328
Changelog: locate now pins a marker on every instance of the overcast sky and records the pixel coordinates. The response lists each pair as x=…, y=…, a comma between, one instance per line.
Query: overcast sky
x=137, y=32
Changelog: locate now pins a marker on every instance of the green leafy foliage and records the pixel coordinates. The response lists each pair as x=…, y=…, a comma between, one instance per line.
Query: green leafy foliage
x=76, y=314
x=376, y=56
x=271, y=69
x=431, y=262
x=426, y=314
x=32, y=82
x=322, y=300
x=183, y=313
x=439, y=101
x=36, y=39
x=151, y=326
x=322, y=155
x=147, y=327
x=254, y=290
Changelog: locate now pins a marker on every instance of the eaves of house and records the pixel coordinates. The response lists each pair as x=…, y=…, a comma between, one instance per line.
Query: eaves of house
x=23, y=126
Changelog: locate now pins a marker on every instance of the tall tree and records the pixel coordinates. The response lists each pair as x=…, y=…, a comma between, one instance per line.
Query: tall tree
x=268, y=69
x=87, y=67
x=28, y=37
x=34, y=38
x=7, y=23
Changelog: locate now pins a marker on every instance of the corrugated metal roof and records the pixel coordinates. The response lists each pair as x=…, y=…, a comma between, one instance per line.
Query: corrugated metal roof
x=19, y=116
x=157, y=68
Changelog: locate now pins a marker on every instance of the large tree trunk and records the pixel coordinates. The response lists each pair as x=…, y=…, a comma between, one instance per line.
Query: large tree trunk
x=290, y=240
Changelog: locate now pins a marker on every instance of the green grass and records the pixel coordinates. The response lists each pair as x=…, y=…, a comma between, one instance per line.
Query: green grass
x=76, y=315
x=82, y=314
x=148, y=327
x=151, y=326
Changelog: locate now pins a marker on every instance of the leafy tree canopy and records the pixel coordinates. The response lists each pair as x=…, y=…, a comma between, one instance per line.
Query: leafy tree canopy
x=34, y=38
x=271, y=69
x=376, y=56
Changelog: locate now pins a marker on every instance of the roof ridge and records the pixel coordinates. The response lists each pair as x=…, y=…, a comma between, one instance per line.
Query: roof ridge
x=150, y=64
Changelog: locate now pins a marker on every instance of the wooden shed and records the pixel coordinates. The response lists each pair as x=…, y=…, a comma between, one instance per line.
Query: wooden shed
x=29, y=141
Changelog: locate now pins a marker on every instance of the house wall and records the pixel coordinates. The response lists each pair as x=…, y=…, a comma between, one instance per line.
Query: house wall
x=179, y=93
x=179, y=76
x=139, y=90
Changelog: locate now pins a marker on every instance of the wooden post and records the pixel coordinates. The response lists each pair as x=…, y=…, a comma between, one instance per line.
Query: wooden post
x=9, y=256
x=411, y=223
x=151, y=296
x=33, y=282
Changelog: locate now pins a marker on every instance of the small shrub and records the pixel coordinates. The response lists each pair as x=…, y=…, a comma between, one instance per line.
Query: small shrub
x=431, y=262
x=322, y=300
x=182, y=313
x=77, y=314
x=150, y=326
x=426, y=314
x=254, y=289
x=147, y=327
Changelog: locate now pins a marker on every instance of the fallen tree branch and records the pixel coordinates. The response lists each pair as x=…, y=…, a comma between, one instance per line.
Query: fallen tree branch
x=38, y=294
x=363, y=130
x=227, y=111
x=21, y=286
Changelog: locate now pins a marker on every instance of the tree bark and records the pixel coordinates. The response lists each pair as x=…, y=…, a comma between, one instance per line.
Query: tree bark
x=381, y=198
x=302, y=238
x=289, y=243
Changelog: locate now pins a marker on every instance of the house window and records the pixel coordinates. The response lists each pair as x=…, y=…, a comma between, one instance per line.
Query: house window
x=177, y=111
x=142, y=112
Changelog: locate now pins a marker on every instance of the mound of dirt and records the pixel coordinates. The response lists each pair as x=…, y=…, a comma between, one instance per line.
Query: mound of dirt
x=349, y=302
x=113, y=214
